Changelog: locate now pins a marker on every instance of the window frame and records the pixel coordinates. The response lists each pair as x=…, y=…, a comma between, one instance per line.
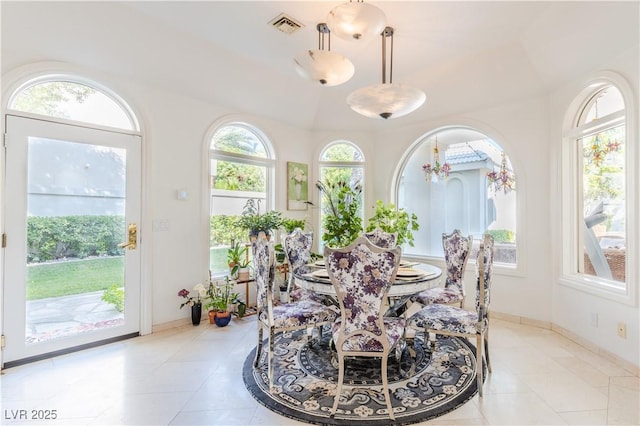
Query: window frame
x=508, y=269
x=269, y=162
x=573, y=131
x=79, y=80
x=340, y=164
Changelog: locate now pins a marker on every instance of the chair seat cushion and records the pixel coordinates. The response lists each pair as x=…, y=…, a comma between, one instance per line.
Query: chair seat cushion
x=447, y=318
x=299, y=293
x=300, y=314
x=442, y=295
x=394, y=328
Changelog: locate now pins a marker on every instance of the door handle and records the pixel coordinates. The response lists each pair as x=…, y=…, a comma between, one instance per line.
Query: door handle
x=133, y=238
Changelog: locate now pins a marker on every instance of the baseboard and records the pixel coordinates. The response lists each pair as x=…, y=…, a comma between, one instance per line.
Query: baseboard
x=622, y=363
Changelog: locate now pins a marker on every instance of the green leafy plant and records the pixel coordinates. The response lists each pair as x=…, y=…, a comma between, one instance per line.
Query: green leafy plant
x=115, y=296
x=220, y=295
x=290, y=225
x=254, y=222
x=237, y=257
x=391, y=219
x=343, y=223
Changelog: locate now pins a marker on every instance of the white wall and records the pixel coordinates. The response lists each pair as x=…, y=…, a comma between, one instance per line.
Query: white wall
x=573, y=308
x=175, y=127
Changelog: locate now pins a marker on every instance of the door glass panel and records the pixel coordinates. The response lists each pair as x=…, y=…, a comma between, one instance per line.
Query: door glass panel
x=75, y=221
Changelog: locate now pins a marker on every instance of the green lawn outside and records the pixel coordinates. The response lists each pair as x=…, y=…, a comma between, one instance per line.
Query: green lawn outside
x=74, y=277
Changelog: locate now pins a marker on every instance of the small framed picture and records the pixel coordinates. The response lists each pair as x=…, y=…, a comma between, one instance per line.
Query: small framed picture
x=297, y=186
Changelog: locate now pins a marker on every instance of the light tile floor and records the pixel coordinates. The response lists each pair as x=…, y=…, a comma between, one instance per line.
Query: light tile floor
x=192, y=375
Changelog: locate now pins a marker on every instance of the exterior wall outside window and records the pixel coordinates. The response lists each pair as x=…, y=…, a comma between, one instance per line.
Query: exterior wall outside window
x=464, y=200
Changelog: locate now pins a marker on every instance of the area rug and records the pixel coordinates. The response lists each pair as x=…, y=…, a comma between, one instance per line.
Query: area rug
x=424, y=385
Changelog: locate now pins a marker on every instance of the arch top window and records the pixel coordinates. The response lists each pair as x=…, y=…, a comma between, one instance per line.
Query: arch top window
x=478, y=194
x=342, y=152
x=604, y=102
x=73, y=101
x=239, y=140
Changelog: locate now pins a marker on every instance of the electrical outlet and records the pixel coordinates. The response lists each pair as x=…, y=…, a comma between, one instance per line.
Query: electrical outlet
x=622, y=330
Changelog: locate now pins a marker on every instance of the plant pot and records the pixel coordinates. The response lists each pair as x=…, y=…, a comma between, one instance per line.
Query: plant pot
x=284, y=295
x=243, y=274
x=212, y=315
x=222, y=318
x=241, y=309
x=196, y=314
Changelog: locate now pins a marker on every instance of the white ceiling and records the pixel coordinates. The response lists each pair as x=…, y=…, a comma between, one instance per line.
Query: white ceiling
x=464, y=55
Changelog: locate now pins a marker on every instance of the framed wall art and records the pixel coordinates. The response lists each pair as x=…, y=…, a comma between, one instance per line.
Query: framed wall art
x=297, y=186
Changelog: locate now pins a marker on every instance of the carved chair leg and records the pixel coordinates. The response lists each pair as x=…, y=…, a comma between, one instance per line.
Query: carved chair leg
x=479, y=344
x=258, y=346
x=486, y=349
x=271, y=367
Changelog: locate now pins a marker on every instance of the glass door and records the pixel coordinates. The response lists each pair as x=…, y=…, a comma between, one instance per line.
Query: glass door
x=72, y=257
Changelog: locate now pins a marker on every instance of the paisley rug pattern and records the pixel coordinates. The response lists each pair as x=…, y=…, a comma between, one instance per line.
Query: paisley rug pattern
x=424, y=384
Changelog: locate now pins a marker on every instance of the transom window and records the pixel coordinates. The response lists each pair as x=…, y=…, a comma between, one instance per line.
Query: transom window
x=467, y=199
x=72, y=101
x=240, y=168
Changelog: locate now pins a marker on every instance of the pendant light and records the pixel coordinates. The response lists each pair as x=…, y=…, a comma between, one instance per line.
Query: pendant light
x=356, y=20
x=325, y=67
x=386, y=100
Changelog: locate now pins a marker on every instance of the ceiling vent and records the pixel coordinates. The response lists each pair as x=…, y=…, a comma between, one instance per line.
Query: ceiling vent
x=285, y=23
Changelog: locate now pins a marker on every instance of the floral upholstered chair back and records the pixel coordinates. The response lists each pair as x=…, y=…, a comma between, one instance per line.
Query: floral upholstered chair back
x=263, y=257
x=362, y=274
x=484, y=266
x=381, y=238
x=297, y=248
x=457, y=248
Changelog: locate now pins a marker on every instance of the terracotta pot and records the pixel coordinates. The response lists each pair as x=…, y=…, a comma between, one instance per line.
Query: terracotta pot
x=212, y=314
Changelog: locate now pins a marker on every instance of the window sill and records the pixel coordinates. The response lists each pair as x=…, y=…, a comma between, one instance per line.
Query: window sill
x=598, y=287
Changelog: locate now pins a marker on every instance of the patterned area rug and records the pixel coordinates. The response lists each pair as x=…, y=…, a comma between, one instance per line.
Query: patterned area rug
x=305, y=382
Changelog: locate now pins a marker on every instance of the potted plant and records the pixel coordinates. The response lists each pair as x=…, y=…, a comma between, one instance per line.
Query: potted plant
x=342, y=222
x=255, y=222
x=391, y=219
x=238, y=261
x=195, y=302
x=220, y=302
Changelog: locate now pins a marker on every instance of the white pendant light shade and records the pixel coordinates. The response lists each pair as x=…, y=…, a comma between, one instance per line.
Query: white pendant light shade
x=356, y=20
x=386, y=100
x=326, y=67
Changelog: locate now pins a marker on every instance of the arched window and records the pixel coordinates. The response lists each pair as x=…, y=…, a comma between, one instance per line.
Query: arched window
x=241, y=167
x=341, y=161
x=477, y=196
x=595, y=166
x=60, y=98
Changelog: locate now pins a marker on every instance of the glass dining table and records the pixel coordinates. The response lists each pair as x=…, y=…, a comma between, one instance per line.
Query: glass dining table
x=411, y=278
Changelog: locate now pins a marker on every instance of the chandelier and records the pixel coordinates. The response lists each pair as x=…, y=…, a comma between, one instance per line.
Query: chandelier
x=325, y=67
x=436, y=171
x=356, y=20
x=386, y=100
x=598, y=150
x=503, y=179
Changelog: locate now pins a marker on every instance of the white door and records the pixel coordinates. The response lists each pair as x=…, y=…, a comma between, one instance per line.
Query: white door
x=72, y=195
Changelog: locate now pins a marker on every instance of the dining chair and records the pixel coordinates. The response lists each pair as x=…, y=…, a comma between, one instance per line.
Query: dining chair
x=382, y=238
x=304, y=314
x=362, y=274
x=297, y=250
x=457, y=248
x=454, y=321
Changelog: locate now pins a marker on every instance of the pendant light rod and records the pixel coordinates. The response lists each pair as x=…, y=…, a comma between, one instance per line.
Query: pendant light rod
x=388, y=32
x=322, y=30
